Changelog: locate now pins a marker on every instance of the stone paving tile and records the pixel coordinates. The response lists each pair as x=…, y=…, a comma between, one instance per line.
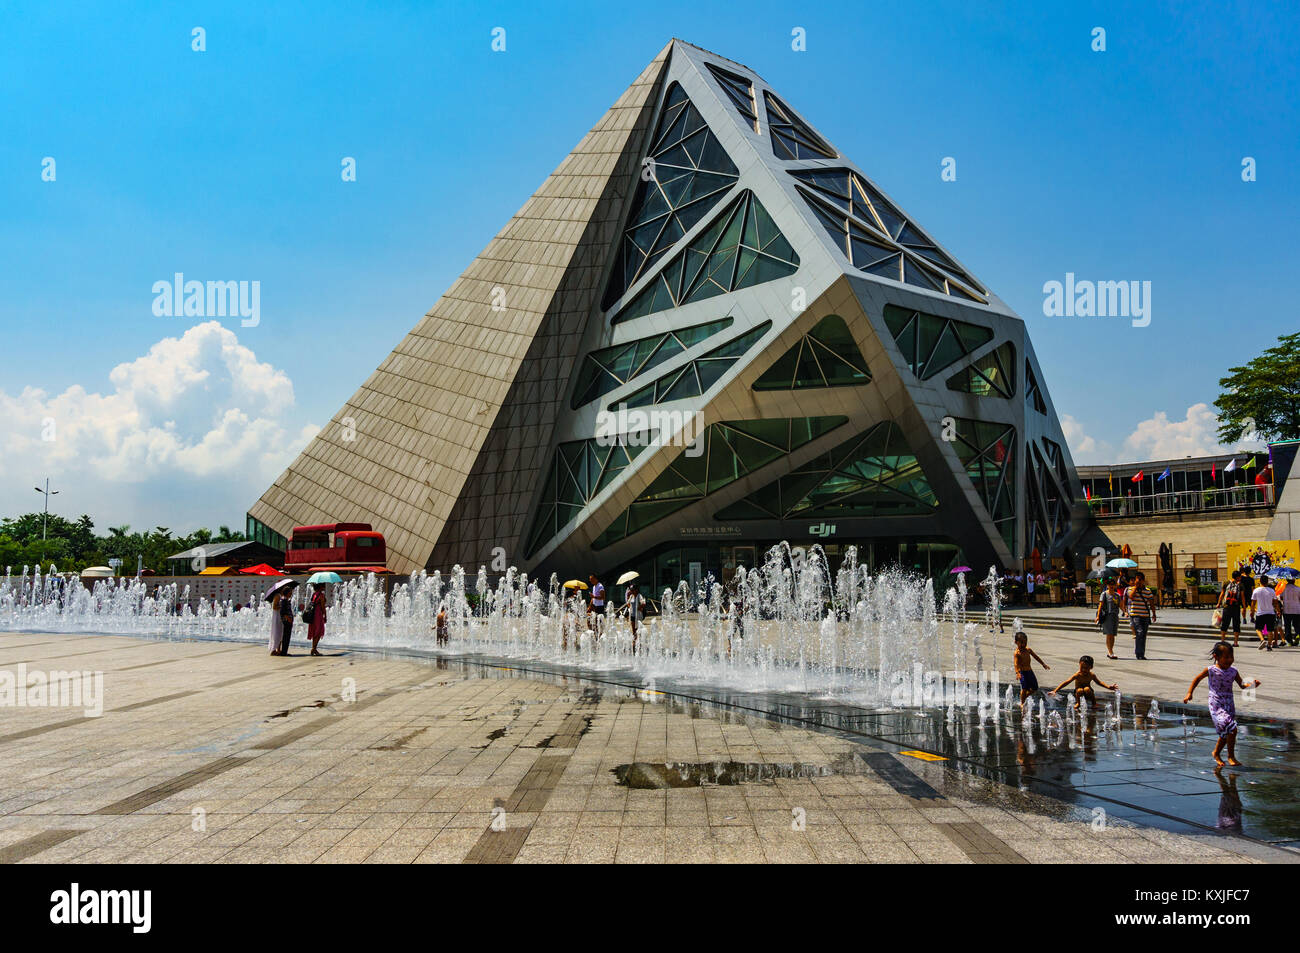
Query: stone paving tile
x=284, y=770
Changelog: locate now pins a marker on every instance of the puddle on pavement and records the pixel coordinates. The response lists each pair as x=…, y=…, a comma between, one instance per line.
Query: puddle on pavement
x=647, y=775
x=319, y=703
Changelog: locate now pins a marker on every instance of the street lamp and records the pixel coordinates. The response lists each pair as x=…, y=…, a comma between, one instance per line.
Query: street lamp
x=45, y=519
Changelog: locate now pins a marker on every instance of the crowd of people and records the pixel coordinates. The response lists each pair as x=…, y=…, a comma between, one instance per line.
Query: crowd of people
x=1272, y=606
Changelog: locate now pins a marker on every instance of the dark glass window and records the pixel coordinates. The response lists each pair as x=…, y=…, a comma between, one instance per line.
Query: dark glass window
x=930, y=343
x=792, y=138
x=740, y=91
x=1033, y=395
x=827, y=356
x=732, y=449
x=874, y=474
x=992, y=375
x=988, y=452
x=606, y=369
x=686, y=174
x=700, y=374
x=579, y=470
x=743, y=247
x=876, y=237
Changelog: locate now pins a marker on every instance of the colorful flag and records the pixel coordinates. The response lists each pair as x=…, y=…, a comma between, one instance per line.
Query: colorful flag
x=1232, y=465
x=1110, y=479
x=1248, y=464
x=1163, y=475
x=1137, y=477
x=1213, y=467
x=1087, y=493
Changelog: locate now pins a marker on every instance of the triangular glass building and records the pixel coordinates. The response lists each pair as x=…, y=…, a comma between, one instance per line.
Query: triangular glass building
x=707, y=268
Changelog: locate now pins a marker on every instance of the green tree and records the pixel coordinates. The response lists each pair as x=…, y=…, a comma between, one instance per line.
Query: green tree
x=1263, y=397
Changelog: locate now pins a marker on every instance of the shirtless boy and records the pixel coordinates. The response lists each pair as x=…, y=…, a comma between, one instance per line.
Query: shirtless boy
x=1083, y=681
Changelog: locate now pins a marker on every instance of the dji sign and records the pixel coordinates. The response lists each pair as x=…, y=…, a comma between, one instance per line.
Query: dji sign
x=822, y=529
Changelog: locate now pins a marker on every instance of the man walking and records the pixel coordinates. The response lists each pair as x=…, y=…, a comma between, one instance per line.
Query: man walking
x=1265, y=602
x=1141, y=604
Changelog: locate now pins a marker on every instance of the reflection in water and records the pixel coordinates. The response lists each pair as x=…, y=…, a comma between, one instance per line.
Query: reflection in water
x=680, y=774
x=1230, y=807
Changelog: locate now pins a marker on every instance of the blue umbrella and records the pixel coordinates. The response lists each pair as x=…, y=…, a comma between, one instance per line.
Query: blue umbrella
x=323, y=577
x=1122, y=564
x=1282, y=572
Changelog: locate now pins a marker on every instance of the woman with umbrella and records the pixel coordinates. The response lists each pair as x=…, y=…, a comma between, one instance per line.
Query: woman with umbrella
x=1123, y=564
x=280, y=597
x=314, y=614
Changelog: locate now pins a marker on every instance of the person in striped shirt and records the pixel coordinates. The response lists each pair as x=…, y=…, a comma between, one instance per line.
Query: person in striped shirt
x=1141, y=604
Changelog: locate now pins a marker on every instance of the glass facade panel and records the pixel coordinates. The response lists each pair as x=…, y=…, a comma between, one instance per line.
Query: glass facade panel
x=1033, y=395
x=873, y=474
x=792, y=138
x=731, y=449
x=259, y=532
x=992, y=375
x=827, y=356
x=930, y=343
x=988, y=452
x=708, y=265
x=579, y=470
x=606, y=369
x=698, y=376
x=877, y=237
x=740, y=91
x=687, y=172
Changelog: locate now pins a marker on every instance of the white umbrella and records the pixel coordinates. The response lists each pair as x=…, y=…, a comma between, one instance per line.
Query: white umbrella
x=285, y=583
x=628, y=577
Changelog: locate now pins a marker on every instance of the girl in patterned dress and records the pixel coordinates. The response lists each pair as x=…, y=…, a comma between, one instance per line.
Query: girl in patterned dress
x=1223, y=710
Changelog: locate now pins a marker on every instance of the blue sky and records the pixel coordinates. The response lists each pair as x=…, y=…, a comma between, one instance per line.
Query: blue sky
x=224, y=164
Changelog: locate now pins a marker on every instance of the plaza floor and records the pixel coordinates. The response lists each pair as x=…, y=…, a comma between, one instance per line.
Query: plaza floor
x=211, y=751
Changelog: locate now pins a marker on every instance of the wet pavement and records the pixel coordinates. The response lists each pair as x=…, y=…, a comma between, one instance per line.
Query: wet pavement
x=1153, y=772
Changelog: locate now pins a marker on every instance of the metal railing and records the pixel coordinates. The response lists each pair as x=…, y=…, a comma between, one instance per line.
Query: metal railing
x=1246, y=496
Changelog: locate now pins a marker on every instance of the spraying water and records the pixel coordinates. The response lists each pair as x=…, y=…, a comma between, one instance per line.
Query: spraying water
x=850, y=634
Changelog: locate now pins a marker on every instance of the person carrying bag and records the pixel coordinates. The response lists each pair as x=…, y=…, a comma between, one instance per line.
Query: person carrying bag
x=1108, y=616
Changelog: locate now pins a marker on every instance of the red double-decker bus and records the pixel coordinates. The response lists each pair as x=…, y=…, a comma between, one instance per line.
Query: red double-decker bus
x=335, y=546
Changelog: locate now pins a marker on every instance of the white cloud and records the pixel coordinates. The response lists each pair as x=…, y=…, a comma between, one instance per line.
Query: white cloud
x=1084, y=448
x=1156, y=438
x=190, y=434
x=1159, y=438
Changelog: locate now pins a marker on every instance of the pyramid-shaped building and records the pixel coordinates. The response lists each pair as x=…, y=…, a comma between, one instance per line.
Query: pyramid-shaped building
x=706, y=332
